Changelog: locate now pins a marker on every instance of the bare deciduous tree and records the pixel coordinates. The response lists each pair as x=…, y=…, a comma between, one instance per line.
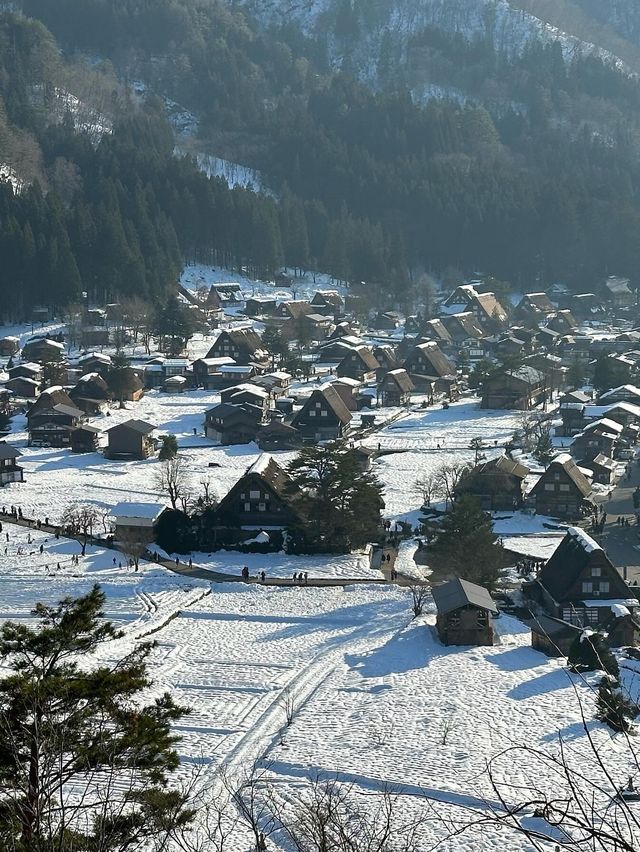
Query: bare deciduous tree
x=172, y=480
x=426, y=487
x=330, y=816
x=448, y=477
x=80, y=520
x=420, y=595
x=131, y=545
x=288, y=704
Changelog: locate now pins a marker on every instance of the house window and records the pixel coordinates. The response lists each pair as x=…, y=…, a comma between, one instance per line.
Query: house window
x=254, y=495
x=482, y=618
x=247, y=507
x=318, y=405
x=592, y=615
x=587, y=587
x=549, y=486
x=596, y=571
x=323, y=414
x=262, y=507
x=564, y=487
x=312, y=413
x=604, y=587
x=556, y=476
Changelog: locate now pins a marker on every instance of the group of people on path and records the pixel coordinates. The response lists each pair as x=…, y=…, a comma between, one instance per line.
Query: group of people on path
x=300, y=578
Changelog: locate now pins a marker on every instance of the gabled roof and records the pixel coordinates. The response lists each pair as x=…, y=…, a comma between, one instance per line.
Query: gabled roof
x=367, y=358
x=48, y=399
x=628, y=390
x=490, y=306
x=438, y=362
x=539, y=301
x=401, y=378
x=297, y=309
x=243, y=338
x=463, y=325
x=565, y=463
x=334, y=401
x=576, y=551
x=275, y=477
x=603, y=461
x=437, y=329
x=327, y=297
x=231, y=413
x=503, y=464
x=459, y=593
x=8, y=452
x=140, y=426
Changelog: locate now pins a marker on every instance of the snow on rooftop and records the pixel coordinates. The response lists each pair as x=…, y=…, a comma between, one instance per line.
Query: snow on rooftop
x=619, y=610
x=261, y=464
x=148, y=511
x=585, y=541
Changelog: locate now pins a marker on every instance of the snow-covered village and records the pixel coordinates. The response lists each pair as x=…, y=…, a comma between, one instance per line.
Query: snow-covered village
x=389, y=563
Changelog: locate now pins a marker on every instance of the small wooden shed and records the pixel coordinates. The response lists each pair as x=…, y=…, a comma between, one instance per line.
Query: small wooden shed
x=465, y=613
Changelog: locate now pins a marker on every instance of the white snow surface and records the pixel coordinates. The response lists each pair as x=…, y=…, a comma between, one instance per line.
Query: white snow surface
x=372, y=693
x=430, y=437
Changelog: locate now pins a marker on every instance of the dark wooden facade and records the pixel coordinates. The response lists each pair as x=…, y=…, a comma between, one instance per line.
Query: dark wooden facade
x=464, y=613
x=130, y=440
x=521, y=389
x=580, y=586
x=561, y=491
x=323, y=417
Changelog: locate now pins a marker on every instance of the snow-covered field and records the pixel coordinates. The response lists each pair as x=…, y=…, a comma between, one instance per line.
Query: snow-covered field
x=303, y=287
x=428, y=438
x=377, y=701
x=55, y=478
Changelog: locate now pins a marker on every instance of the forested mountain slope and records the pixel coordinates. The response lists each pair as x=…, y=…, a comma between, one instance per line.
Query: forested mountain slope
x=526, y=166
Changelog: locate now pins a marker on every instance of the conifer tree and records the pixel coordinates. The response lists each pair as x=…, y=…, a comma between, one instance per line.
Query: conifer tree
x=84, y=763
x=466, y=544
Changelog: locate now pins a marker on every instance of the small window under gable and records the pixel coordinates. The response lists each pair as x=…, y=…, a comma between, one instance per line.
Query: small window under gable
x=254, y=495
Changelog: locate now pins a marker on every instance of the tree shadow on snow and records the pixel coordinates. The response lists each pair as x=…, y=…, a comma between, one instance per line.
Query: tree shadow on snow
x=517, y=659
x=545, y=683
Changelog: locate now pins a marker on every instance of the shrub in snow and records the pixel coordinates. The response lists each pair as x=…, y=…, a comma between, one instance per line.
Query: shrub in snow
x=169, y=448
x=590, y=652
x=613, y=708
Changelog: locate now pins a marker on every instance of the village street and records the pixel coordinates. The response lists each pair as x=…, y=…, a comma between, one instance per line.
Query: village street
x=622, y=544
